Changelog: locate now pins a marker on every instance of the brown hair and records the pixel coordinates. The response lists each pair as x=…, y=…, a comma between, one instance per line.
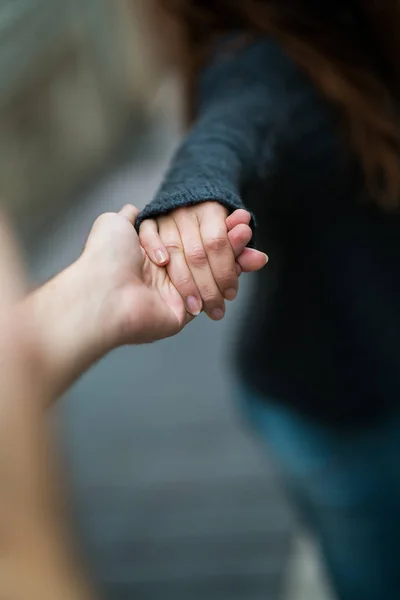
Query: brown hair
x=349, y=48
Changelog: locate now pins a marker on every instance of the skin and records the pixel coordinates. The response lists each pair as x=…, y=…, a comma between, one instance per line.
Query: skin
x=111, y=296
x=193, y=243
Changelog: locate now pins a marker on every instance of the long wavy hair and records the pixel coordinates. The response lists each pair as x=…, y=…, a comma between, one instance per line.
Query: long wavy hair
x=349, y=48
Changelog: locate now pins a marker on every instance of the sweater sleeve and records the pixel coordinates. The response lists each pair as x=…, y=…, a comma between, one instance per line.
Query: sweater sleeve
x=219, y=154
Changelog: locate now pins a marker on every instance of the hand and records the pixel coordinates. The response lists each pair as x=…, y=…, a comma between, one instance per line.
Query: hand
x=194, y=245
x=113, y=295
x=141, y=296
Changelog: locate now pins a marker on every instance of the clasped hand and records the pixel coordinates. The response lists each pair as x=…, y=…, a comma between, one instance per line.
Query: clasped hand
x=114, y=294
x=150, y=301
x=199, y=245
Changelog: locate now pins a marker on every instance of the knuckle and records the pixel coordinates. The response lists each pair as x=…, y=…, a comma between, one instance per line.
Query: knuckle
x=103, y=218
x=146, y=225
x=174, y=247
x=197, y=256
x=209, y=294
x=217, y=242
x=182, y=281
x=226, y=278
x=180, y=211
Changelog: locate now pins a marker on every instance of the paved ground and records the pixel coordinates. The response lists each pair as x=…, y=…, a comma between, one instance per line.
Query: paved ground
x=173, y=499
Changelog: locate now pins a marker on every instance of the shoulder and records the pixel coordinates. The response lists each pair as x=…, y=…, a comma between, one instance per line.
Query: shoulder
x=261, y=64
x=259, y=55
x=301, y=132
x=264, y=71
x=302, y=146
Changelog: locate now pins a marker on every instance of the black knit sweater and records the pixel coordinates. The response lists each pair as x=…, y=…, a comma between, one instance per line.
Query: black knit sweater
x=322, y=331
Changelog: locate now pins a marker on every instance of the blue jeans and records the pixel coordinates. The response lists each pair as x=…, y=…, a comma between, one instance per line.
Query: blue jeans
x=346, y=488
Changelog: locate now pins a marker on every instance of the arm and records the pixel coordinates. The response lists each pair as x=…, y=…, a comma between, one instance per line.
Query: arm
x=220, y=152
x=112, y=295
x=37, y=560
x=184, y=227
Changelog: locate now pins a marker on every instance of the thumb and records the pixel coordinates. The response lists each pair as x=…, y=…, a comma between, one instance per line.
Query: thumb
x=130, y=213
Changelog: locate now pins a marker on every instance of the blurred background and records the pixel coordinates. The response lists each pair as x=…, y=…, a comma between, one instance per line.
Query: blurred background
x=172, y=498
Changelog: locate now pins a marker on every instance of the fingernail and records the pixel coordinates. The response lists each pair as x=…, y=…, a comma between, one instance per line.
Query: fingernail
x=266, y=258
x=217, y=314
x=160, y=256
x=193, y=305
x=230, y=294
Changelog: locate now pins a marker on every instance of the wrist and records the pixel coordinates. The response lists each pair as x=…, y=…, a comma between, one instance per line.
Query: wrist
x=69, y=325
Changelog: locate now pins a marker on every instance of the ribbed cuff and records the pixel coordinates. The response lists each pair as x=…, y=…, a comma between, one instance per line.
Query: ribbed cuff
x=165, y=202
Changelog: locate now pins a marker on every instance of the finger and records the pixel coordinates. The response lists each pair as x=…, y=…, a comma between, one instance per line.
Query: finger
x=197, y=262
x=247, y=259
x=152, y=243
x=130, y=213
x=239, y=237
x=238, y=217
x=12, y=275
x=251, y=260
x=177, y=268
x=220, y=256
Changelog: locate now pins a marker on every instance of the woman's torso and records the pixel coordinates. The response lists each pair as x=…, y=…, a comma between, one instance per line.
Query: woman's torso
x=323, y=326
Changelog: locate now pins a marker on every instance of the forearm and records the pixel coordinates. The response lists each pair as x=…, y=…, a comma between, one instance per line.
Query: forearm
x=221, y=152
x=68, y=329
x=39, y=560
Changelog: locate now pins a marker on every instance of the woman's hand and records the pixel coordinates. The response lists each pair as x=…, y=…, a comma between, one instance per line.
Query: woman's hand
x=194, y=245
